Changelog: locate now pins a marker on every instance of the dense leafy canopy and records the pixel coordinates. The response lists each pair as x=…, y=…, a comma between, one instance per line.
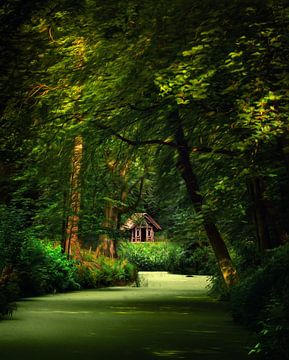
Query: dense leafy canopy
x=181, y=110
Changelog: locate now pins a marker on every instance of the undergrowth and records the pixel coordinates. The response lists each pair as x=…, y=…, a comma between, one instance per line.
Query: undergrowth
x=260, y=301
x=167, y=256
x=29, y=266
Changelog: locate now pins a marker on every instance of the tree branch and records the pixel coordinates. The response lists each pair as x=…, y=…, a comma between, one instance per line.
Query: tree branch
x=194, y=149
x=137, y=142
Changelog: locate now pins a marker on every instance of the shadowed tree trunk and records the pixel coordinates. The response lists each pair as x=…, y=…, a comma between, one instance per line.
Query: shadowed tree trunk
x=283, y=145
x=268, y=229
x=184, y=164
x=113, y=212
x=72, y=244
x=259, y=214
x=107, y=246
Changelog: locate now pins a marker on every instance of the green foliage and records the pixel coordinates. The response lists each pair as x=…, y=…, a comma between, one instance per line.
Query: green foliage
x=12, y=223
x=29, y=266
x=246, y=257
x=167, y=256
x=98, y=69
x=9, y=291
x=271, y=279
x=39, y=266
x=273, y=334
x=151, y=256
x=200, y=260
x=261, y=301
x=11, y=234
x=42, y=268
x=94, y=272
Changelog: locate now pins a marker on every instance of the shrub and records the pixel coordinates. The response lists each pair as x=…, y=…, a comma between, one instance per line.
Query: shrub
x=267, y=281
x=29, y=266
x=151, y=256
x=247, y=260
x=261, y=301
x=167, y=256
x=9, y=291
x=11, y=234
x=199, y=260
x=273, y=338
x=94, y=272
x=42, y=268
x=38, y=266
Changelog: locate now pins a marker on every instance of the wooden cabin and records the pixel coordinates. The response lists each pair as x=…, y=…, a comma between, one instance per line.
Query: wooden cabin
x=142, y=227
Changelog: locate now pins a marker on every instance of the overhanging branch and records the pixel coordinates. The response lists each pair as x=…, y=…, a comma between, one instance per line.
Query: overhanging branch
x=137, y=142
x=194, y=149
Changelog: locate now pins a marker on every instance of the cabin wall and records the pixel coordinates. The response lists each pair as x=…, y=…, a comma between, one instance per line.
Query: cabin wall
x=142, y=234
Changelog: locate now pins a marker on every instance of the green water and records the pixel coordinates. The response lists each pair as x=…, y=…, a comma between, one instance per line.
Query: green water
x=174, y=322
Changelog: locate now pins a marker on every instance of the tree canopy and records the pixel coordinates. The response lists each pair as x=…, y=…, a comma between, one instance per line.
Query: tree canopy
x=174, y=108
x=178, y=109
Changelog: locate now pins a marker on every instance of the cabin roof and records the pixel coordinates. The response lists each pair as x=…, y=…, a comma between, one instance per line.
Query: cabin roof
x=136, y=219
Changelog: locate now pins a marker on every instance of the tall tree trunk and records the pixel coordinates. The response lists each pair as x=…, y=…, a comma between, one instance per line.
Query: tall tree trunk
x=111, y=223
x=256, y=189
x=268, y=230
x=107, y=242
x=283, y=144
x=283, y=147
x=72, y=244
x=107, y=245
x=64, y=221
x=226, y=266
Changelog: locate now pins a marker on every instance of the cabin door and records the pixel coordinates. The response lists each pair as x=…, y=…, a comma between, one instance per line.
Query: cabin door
x=143, y=235
x=149, y=234
x=138, y=234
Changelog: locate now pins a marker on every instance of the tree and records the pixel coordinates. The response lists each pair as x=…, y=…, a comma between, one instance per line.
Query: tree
x=126, y=178
x=72, y=245
x=206, y=81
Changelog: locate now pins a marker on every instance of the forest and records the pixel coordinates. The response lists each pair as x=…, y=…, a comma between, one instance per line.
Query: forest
x=178, y=109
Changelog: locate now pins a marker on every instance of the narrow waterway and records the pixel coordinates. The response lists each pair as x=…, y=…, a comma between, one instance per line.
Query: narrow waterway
x=172, y=319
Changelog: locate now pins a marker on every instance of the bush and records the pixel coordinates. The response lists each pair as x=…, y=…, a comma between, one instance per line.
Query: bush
x=9, y=291
x=11, y=235
x=247, y=260
x=269, y=280
x=157, y=256
x=261, y=301
x=94, y=272
x=42, y=268
x=167, y=256
x=201, y=260
x=273, y=338
x=29, y=266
